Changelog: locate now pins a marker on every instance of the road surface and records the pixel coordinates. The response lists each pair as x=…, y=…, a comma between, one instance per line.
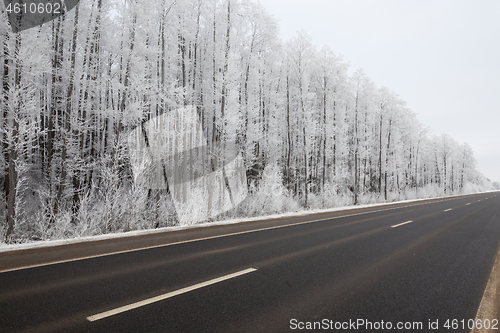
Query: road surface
x=416, y=265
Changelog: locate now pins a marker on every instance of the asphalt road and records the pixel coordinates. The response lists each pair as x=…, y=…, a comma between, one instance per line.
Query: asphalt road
x=365, y=266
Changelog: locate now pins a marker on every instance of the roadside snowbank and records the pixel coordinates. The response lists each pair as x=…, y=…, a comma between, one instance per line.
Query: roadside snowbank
x=48, y=243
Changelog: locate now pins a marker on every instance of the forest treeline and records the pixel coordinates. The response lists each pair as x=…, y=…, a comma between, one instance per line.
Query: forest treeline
x=311, y=135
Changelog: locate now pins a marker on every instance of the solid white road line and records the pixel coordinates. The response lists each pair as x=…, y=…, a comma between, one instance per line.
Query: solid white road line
x=397, y=225
x=167, y=295
x=212, y=237
x=447, y=210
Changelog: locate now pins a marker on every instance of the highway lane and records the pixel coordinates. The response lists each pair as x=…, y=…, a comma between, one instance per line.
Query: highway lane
x=376, y=266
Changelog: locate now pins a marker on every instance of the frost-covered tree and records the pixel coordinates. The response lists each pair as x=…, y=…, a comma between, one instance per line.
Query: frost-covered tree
x=75, y=88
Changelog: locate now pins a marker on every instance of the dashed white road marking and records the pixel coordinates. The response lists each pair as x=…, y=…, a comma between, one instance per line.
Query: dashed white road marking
x=467, y=204
x=397, y=225
x=212, y=237
x=447, y=210
x=167, y=295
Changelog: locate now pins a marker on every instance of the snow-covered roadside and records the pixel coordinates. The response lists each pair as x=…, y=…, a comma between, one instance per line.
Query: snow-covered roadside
x=49, y=243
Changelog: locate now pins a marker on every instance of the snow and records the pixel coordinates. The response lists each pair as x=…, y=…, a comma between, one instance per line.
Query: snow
x=51, y=243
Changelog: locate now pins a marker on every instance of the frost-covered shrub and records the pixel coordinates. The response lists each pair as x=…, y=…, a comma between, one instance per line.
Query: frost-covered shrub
x=126, y=209
x=430, y=191
x=409, y=194
x=470, y=188
x=369, y=198
x=269, y=197
x=330, y=196
x=3, y=232
x=107, y=207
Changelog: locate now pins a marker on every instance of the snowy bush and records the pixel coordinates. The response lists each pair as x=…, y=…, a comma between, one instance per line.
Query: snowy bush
x=270, y=196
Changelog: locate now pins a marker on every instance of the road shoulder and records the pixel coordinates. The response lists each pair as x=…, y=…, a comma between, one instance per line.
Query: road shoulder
x=489, y=309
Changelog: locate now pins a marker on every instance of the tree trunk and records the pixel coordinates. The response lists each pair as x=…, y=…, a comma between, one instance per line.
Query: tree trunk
x=356, y=153
x=387, y=158
x=288, y=132
x=380, y=151
x=12, y=173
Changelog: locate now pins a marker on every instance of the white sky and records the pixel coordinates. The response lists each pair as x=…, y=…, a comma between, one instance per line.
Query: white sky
x=441, y=56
